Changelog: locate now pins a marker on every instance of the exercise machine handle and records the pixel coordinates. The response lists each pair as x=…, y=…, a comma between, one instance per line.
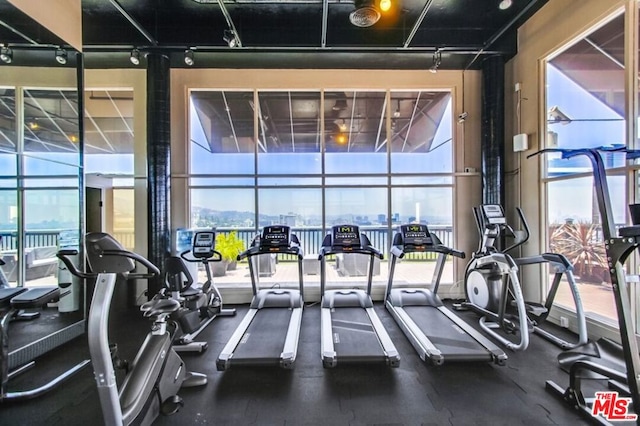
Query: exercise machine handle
x=64, y=254
x=217, y=257
x=136, y=257
x=527, y=232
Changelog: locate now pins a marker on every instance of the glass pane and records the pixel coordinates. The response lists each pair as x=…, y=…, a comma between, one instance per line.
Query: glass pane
x=421, y=132
x=575, y=231
x=222, y=132
x=289, y=138
x=8, y=234
x=34, y=166
x=355, y=132
x=585, y=94
x=51, y=182
x=291, y=181
x=421, y=180
x=108, y=139
x=360, y=181
x=223, y=208
x=47, y=214
x=238, y=181
x=8, y=140
x=8, y=164
x=431, y=206
x=51, y=124
x=123, y=217
x=301, y=209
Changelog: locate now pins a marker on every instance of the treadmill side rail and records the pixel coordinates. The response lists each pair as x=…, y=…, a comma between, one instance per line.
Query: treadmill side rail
x=290, y=350
x=224, y=359
x=393, y=357
x=420, y=342
x=329, y=356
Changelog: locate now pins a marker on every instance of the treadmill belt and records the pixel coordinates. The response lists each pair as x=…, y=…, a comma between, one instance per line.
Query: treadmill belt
x=354, y=336
x=263, y=341
x=447, y=336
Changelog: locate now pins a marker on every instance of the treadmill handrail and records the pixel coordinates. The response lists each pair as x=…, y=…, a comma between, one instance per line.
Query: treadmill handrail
x=399, y=251
x=256, y=250
x=370, y=250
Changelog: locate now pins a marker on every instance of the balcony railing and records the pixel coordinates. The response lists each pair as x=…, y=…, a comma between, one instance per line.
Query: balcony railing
x=310, y=237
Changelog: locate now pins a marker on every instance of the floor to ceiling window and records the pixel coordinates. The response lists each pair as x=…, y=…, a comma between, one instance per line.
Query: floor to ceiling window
x=314, y=159
x=586, y=108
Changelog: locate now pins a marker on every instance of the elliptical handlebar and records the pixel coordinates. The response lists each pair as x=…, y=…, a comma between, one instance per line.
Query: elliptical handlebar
x=63, y=255
x=527, y=231
x=216, y=258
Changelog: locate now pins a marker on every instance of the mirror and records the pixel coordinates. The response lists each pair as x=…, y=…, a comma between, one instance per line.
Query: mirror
x=41, y=178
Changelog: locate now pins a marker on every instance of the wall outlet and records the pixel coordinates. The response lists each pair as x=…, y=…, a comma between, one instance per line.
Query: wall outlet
x=520, y=142
x=564, y=322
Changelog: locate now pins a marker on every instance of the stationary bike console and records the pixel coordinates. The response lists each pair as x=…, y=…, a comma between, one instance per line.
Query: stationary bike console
x=204, y=244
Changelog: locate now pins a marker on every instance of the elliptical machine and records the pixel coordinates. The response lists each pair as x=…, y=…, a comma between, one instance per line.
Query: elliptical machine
x=157, y=373
x=199, y=305
x=493, y=289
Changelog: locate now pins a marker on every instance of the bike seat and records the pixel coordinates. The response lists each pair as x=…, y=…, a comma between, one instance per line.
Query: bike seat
x=160, y=306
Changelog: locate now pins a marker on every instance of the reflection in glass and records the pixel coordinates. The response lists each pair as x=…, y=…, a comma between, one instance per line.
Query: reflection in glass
x=47, y=213
x=8, y=141
x=355, y=132
x=222, y=132
x=8, y=234
x=421, y=132
x=575, y=230
x=289, y=137
x=51, y=124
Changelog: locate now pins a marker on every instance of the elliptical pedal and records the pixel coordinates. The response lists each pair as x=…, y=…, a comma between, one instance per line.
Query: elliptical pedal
x=171, y=405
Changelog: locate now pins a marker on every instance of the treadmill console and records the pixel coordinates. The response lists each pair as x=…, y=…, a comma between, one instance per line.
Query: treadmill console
x=493, y=214
x=415, y=235
x=204, y=244
x=275, y=237
x=345, y=237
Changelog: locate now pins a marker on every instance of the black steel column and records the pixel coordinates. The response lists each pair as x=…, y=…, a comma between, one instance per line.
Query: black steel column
x=492, y=141
x=158, y=163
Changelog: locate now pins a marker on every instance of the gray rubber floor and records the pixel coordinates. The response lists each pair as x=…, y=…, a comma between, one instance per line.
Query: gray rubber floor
x=413, y=394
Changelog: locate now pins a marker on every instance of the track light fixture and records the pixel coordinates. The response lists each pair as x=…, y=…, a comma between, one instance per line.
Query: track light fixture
x=188, y=57
x=437, y=60
x=6, y=55
x=61, y=56
x=231, y=39
x=135, y=57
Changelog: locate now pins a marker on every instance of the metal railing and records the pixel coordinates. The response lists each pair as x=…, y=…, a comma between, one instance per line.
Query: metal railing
x=310, y=237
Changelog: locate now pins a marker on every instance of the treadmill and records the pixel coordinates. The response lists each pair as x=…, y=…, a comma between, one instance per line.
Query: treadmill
x=436, y=333
x=268, y=334
x=351, y=330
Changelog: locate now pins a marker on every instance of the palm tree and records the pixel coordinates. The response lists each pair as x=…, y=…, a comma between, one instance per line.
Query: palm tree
x=581, y=244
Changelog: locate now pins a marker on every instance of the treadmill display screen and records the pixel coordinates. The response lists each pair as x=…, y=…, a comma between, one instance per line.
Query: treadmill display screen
x=346, y=236
x=415, y=235
x=275, y=236
x=494, y=214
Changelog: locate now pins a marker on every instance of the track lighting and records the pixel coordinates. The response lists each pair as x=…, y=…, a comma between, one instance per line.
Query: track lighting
x=6, y=55
x=61, y=56
x=231, y=39
x=505, y=4
x=135, y=57
x=384, y=5
x=437, y=60
x=188, y=57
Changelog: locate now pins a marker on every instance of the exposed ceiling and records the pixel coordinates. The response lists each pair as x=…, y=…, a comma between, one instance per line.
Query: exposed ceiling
x=285, y=33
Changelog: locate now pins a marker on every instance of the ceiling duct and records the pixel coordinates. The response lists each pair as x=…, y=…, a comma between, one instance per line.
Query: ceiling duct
x=365, y=14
